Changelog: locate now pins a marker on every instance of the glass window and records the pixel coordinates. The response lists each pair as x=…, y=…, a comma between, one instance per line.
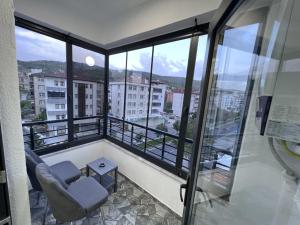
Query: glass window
x=194, y=102
x=41, y=66
x=88, y=71
x=138, y=80
x=253, y=178
x=168, y=79
x=116, y=95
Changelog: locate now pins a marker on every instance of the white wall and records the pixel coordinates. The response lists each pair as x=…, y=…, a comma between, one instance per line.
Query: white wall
x=10, y=117
x=156, y=181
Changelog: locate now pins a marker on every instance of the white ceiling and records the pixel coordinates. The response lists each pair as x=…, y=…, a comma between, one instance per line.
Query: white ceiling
x=114, y=22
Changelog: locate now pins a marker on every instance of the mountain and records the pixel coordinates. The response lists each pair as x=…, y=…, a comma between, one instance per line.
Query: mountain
x=80, y=70
x=84, y=72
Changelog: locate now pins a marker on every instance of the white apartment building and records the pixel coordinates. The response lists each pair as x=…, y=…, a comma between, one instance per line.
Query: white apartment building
x=177, y=103
x=137, y=95
x=50, y=96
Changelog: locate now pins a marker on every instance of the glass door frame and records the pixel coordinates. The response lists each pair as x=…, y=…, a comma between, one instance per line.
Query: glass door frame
x=221, y=16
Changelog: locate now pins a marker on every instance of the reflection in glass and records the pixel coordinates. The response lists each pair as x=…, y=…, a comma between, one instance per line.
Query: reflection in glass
x=243, y=172
x=116, y=94
x=167, y=88
x=194, y=102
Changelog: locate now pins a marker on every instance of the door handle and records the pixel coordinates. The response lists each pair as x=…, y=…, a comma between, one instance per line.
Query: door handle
x=199, y=189
x=182, y=186
x=186, y=187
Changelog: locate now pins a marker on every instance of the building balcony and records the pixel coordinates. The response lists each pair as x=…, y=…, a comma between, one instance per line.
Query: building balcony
x=138, y=199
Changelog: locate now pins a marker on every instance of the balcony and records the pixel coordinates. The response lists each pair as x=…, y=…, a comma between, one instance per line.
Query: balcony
x=139, y=200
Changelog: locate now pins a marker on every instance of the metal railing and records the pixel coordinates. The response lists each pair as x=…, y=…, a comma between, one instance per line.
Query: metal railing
x=44, y=134
x=153, y=142
x=160, y=144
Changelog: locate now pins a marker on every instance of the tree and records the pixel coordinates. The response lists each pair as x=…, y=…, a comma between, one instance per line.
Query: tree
x=162, y=127
x=176, y=125
x=25, y=107
x=139, y=136
x=168, y=107
x=41, y=117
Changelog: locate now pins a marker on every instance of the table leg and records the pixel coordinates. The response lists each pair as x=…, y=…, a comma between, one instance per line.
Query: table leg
x=116, y=180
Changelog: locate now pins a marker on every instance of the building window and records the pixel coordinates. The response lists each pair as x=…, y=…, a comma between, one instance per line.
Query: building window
x=91, y=86
x=57, y=117
x=91, y=96
x=141, y=96
x=86, y=86
x=62, y=106
x=62, y=83
x=63, y=117
x=56, y=83
x=91, y=106
x=56, y=106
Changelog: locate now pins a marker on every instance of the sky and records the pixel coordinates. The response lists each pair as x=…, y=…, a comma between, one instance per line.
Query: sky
x=170, y=59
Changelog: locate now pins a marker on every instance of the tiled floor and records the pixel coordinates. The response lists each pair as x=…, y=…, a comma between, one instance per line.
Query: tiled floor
x=130, y=205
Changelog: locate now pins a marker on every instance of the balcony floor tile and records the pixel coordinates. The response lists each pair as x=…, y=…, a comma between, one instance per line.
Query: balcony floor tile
x=130, y=205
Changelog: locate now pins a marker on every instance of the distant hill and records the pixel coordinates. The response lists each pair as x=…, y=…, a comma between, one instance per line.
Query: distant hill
x=80, y=70
x=174, y=82
x=83, y=71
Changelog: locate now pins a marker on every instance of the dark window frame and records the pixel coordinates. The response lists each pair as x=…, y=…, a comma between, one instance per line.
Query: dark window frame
x=177, y=169
x=69, y=41
x=191, y=32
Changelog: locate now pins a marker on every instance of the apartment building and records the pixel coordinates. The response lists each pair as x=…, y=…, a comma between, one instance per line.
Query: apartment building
x=49, y=93
x=177, y=102
x=137, y=95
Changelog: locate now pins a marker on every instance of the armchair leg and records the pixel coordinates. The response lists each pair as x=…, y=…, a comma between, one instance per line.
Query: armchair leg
x=46, y=211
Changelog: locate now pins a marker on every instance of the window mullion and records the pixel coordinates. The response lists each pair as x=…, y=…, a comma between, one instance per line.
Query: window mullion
x=186, y=102
x=70, y=91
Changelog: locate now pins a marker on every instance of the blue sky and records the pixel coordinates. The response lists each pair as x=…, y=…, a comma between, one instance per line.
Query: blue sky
x=169, y=59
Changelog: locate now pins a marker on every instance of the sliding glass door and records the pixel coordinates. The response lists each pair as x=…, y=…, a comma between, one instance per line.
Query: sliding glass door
x=245, y=166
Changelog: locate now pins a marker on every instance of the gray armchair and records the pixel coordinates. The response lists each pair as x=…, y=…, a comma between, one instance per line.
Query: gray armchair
x=65, y=170
x=74, y=201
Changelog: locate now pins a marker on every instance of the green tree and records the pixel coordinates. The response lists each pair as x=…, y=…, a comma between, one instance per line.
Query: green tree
x=139, y=136
x=41, y=117
x=162, y=127
x=176, y=125
x=25, y=107
x=168, y=107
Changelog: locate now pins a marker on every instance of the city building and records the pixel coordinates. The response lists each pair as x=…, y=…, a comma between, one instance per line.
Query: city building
x=177, y=102
x=137, y=94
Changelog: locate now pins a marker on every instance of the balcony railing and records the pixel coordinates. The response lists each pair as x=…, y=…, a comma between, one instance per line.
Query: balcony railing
x=160, y=146
x=43, y=135
x=157, y=144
